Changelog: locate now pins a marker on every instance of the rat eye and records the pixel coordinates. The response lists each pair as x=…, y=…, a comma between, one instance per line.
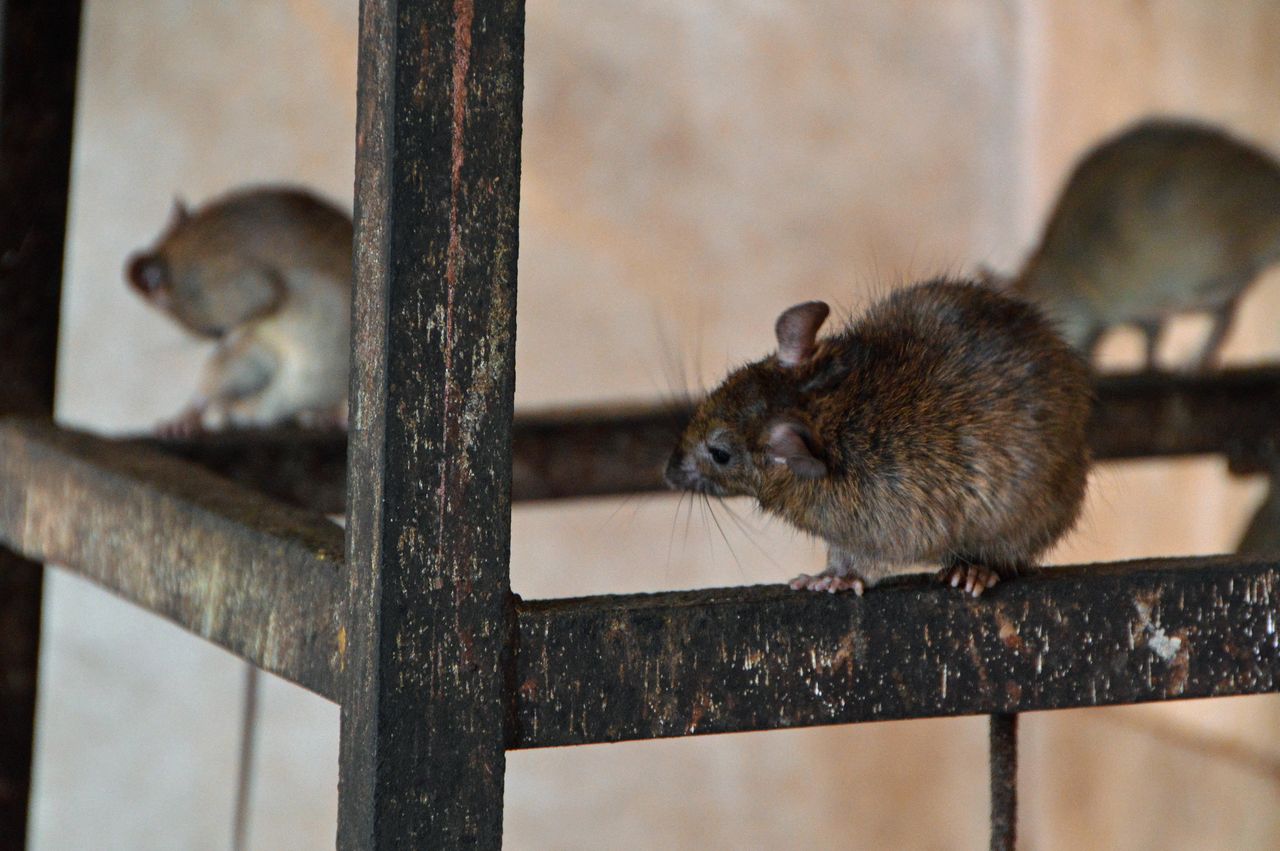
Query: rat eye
x=719, y=455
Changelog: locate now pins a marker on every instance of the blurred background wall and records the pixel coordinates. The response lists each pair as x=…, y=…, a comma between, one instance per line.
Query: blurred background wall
x=689, y=170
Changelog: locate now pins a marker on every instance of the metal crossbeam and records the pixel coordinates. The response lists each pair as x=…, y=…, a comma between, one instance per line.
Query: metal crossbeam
x=605, y=669
x=258, y=578
x=266, y=581
x=614, y=450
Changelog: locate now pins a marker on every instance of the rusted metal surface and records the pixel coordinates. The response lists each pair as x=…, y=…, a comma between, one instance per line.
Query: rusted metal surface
x=593, y=452
x=611, y=450
x=303, y=467
x=430, y=620
x=39, y=45
x=644, y=666
x=1152, y=415
x=1004, y=781
x=555, y=454
x=612, y=668
x=38, y=51
x=257, y=578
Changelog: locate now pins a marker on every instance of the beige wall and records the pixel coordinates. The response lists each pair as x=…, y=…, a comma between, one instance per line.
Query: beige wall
x=689, y=169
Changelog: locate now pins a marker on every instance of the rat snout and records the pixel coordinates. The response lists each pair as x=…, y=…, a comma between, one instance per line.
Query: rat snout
x=678, y=474
x=146, y=274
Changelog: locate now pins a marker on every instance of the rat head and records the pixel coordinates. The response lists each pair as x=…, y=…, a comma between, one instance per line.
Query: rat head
x=752, y=426
x=197, y=274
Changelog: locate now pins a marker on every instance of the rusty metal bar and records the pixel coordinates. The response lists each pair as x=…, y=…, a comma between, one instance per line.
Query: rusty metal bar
x=556, y=454
x=425, y=708
x=644, y=666
x=606, y=669
x=39, y=50
x=255, y=577
x=612, y=450
x=1004, y=781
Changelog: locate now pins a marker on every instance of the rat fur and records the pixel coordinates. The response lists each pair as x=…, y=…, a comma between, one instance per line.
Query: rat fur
x=946, y=425
x=1166, y=217
x=266, y=272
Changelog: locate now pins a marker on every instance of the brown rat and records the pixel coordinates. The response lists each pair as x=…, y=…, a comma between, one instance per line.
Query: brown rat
x=1166, y=217
x=947, y=425
x=266, y=272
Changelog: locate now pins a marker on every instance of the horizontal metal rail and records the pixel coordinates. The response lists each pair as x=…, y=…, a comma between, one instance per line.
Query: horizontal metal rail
x=595, y=452
x=265, y=581
x=607, y=669
x=556, y=455
x=256, y=577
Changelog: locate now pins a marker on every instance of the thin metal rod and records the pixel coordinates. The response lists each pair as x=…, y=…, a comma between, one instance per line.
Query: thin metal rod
x=1004, y=781
x=248, y=747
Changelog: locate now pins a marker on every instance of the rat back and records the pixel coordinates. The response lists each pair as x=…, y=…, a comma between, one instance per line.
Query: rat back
x=955, y=420
x=1167, y=217
x=267, y=272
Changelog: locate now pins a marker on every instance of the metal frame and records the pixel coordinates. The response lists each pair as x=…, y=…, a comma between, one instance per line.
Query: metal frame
x=39, y=47
x=409, y=621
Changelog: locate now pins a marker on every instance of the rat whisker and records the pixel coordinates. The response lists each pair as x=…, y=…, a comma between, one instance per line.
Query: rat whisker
x=629, y=499
x=747, y=533
x=711, y=509
x=675, y=518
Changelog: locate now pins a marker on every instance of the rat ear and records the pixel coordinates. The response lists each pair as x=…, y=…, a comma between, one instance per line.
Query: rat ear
x=993, y=279
x=797, y=329
x=789, y=443
x=179, y=214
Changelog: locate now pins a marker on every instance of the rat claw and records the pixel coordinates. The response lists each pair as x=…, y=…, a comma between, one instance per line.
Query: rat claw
x=830, y=584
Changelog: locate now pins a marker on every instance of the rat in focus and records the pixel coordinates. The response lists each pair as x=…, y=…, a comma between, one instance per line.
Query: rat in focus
x=266, y=272
x=1166, y=217
x=946, y=425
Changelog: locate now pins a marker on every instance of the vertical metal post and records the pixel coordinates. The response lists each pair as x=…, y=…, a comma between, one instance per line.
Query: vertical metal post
x=39, y=43
x=426, y=639
x=248, y=750
x=1004, y=781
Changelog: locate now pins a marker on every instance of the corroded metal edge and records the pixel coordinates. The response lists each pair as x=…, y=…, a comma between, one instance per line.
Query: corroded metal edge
x=608, y=669
x=258, y=578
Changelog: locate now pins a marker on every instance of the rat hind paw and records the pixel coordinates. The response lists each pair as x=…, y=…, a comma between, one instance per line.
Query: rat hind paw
x=828, y=582
x=973, y=578
x=187, y=424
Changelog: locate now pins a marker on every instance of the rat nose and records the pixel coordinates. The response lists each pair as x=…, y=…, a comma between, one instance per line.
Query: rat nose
x=145, y=273
x=676, y=476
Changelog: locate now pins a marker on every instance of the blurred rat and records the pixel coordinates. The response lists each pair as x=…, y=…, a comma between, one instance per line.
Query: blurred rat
x=266, y=272
x=1166, y=217
x=946, y=425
